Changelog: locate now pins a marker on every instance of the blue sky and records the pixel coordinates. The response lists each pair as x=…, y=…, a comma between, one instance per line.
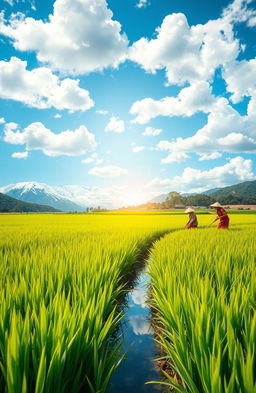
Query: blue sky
x=138, y=96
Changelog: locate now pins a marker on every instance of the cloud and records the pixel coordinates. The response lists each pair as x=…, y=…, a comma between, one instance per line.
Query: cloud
x=20, y=154
x=102, y=112
x=78, y=38
x=37, y=137
x=140, y=325
x=187, y=54
x=137, y=149
x=139, y=297
x=190, y=100
x=12, y=2
x=226, y=131
x=11, y=126
x=108, y=171
x=57, y=116
x=150, y=131
x=174, y=157
x=196, y=180
x=240, y=77
x=109, y=197
x=2, y=120
x=209, y=156
x=40, y=88
x=92, y=159
x=142, y=4
x=240, y=11
x=115, y=125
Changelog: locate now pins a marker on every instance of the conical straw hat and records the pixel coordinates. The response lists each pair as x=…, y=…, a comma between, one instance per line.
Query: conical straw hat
x=189, y=210
x=216, y=204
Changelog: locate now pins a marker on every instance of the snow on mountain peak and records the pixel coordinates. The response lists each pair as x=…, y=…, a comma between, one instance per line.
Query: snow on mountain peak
x=33, y=186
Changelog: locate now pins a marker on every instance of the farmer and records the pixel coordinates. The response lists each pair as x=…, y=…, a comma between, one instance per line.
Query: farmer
x=222, y=215
x=192, y=222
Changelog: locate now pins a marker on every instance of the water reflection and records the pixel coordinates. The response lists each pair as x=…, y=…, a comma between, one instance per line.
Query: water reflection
x=139, y=297
x=140, y=326
x=138, y=367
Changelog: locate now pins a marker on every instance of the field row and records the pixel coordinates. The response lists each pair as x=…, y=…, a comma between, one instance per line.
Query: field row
x=204, y=299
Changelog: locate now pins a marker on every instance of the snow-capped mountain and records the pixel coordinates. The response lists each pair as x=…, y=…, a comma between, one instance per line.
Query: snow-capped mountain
x=67, y=197
x=42, y=194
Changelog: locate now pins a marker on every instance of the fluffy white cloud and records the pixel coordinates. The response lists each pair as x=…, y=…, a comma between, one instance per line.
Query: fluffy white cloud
x=150, y=131
x=137, y=149
x=174, y=157
x=186, y=53
x=192, y=53
x=11, y=126
x=226, y=131
x=108, y=171
x=192, y=99
x=142, y=4
x=115, y=125
x=37, y=137
x=195, y=180
x=23, y=154
x=2, y=120
x=240, y=77
x=209, y=156
x=40, y=88
x=79, y=37
x=93, y=159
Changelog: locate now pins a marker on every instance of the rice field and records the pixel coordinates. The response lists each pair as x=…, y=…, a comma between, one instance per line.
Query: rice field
x=204, y=300
x=61, y=276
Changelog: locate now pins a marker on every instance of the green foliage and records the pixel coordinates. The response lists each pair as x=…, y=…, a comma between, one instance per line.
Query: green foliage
x=173, y=199
x=198, y=200
x=9, y=204
x=204, y=295
x=60, y=278
x=243, y=190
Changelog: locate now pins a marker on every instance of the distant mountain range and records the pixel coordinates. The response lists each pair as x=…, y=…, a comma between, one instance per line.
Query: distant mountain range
x=9, y=204
x=42, y=194
x=77, y=198
x=244, y=190
x=66, y=198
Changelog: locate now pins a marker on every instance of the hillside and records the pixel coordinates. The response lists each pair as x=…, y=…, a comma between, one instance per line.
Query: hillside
x=241, y=193
x=9, y=204
x=246, y=189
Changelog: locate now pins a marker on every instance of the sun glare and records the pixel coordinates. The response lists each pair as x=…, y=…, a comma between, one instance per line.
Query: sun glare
x=134, y=198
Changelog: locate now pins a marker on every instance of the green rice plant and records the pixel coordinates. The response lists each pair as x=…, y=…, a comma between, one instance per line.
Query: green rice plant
x=60, y=278
x=204, y=300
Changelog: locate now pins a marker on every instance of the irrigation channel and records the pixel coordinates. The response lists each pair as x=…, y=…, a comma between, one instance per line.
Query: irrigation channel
x=138, y=366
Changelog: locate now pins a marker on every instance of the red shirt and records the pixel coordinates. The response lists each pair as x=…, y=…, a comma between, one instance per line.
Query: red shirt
x=224, y=219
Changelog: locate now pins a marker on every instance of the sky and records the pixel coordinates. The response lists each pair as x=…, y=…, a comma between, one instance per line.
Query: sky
x=134, y=97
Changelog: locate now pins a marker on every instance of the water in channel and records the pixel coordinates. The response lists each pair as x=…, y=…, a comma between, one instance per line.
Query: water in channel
x=138, y=367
